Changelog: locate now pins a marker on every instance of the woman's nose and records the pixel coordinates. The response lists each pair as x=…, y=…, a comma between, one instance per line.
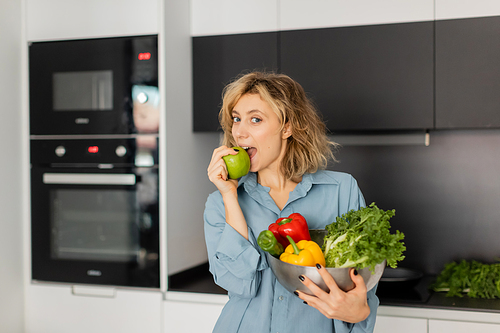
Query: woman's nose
x=240, y=130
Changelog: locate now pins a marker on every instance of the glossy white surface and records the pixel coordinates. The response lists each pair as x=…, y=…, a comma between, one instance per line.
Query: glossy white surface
x=456, y=9
x=61, y=19
x=54, y=309
x=219, y=17
x=387, y=324
x=299, y=14
x=443, y=326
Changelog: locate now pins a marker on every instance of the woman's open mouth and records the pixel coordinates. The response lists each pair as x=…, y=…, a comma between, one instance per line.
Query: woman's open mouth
x=251, y=151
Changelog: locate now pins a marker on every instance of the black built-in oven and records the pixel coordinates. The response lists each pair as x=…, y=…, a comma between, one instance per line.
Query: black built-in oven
x=95, y=211
x=94, y=86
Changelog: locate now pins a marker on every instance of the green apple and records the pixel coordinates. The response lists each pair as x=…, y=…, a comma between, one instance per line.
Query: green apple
x=237, y=165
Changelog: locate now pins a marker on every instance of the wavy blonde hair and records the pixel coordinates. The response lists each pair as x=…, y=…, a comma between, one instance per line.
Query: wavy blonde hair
x=308, y=148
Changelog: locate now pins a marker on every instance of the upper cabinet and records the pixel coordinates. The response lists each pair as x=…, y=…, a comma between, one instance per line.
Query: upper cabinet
x=456, y=9
x=374, y=77
x=467, y=65
x=224, y=17
x=311, y=14
x=55, y=19
x=468, y=73
x=219, y=59
x=368, y=65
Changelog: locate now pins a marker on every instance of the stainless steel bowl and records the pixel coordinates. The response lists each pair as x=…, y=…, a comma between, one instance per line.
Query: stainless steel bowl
x=288, y=274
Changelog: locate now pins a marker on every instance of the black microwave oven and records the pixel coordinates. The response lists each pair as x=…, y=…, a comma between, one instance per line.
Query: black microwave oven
x=97, y=86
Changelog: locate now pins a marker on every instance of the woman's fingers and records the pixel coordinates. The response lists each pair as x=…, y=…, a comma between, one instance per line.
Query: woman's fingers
x=217, y=170
x=359, y=282
x=220, y=152
x=348, y=306
x=328, y=279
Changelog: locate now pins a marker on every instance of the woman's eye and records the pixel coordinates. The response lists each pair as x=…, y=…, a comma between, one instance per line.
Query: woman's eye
x=236, y=119
x=256, y=120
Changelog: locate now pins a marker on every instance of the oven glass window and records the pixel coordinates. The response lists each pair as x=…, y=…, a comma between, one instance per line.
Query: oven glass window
x=88, y=90
x=95, y=225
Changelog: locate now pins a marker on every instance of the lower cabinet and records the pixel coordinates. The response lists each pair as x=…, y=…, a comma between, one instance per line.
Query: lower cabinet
x=446, y=326
x=387, y=324
x=189, y=317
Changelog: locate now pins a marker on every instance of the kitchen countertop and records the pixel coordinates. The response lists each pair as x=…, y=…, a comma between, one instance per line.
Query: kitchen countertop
x=199, y=280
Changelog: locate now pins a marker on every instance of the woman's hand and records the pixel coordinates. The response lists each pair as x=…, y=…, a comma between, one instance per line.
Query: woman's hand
x=217, y=170
x=351, y=306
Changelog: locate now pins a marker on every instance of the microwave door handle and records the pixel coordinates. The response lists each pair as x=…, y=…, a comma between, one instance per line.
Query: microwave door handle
x=89, y=179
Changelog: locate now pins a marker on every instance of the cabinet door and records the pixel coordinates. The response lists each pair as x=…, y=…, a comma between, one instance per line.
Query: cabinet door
x=377, y=77
x=386, y=324
x=468, y=73
x=223, y=17
x=219, y=59
x=443, y=326
x=453, y=9
x=187, y=317
x=300, y=14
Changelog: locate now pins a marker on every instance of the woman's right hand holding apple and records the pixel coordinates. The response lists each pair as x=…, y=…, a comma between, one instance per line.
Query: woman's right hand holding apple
x=217, y=171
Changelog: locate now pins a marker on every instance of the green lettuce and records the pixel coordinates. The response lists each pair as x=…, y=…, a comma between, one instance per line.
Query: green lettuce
x=361, y=238
x=472, y=278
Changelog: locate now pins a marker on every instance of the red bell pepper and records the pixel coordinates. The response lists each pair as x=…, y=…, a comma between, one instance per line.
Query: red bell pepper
x=294, y=226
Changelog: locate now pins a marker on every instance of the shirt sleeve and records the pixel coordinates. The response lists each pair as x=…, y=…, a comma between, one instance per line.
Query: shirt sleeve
x=234, y=261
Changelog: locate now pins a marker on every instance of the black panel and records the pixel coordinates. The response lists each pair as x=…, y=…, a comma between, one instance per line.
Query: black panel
x=468, y=73
x=120, y=56
x=367, y=77
x=219, y=59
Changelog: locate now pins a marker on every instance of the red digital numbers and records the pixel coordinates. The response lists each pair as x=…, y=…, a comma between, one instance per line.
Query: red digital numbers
x=144, y=56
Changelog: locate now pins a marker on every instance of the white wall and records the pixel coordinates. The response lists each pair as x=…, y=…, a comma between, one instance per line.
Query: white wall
x=11, y=246
x=188, y=153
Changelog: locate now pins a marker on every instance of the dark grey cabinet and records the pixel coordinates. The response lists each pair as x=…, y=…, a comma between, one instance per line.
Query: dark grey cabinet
x=219, y=59
x=468, y=73
x=378, y=77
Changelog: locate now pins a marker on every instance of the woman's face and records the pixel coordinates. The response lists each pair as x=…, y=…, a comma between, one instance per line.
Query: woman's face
x=257, y=127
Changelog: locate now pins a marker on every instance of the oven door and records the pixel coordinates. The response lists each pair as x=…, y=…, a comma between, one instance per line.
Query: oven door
x=95, y=226
x=93, y=86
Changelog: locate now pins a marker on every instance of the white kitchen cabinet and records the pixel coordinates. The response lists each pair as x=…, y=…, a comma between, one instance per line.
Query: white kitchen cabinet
x=188, y=317
x=54, y=308
x=300, y=14
x=388, y=324
x=446, y=326
x=456, y=9
x=224, y=17
x=60, y=19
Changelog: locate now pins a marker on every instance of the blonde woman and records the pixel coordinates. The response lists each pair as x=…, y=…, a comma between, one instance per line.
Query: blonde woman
x=271, y=115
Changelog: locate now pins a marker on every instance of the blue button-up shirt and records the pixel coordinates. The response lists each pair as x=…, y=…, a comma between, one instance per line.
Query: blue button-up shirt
x=257, y=301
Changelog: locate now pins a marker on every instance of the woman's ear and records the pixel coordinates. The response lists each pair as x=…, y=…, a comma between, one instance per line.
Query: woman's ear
x=287, y=131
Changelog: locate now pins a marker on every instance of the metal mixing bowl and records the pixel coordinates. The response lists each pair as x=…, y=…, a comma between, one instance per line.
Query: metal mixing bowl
x=288, y=274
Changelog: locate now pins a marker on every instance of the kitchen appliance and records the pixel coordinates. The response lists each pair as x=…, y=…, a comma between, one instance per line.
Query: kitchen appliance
x=94, y=86
x=95, y=212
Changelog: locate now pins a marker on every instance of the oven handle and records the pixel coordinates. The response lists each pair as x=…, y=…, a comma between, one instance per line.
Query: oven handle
x=89, y=179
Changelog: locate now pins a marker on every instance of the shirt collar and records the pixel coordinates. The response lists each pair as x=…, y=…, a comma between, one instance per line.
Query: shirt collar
x=320, y=177
x=260, y=193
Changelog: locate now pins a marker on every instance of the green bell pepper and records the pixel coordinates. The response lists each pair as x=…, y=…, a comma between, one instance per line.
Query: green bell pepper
x=269, y=243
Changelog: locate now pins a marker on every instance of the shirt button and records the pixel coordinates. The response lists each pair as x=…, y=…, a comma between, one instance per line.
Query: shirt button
x=281, y=298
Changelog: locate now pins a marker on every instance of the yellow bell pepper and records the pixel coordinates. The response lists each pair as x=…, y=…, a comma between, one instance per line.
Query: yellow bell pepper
x=303, y=253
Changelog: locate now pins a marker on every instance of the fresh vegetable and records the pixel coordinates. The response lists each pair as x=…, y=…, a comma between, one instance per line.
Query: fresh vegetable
x=294, y=225
x=475, y=279
x=303, y=253
x=361, y=238
x=269, y=243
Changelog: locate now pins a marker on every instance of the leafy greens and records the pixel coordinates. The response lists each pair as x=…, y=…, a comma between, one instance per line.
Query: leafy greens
x=475, y=279
x=361, y=238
